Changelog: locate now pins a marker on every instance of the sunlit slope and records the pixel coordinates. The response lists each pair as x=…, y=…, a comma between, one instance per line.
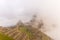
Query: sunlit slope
x=5, y=37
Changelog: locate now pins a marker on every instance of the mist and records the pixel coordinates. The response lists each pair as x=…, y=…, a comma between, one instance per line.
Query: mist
x=11, y=11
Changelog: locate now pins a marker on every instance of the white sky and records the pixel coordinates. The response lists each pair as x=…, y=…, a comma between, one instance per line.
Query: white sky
x=13, y=10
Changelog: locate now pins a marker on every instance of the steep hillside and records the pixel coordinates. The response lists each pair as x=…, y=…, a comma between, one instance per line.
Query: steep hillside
x=23, y=32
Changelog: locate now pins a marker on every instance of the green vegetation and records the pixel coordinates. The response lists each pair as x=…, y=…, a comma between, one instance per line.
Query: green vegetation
x=5, y=37
x=27, y=32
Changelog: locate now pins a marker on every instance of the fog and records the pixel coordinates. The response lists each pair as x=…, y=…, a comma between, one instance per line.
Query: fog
x=48, y=10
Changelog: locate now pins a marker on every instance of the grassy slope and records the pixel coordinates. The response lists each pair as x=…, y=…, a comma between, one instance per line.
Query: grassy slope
x=5, y=37
x=30, y=34
x=27, y=32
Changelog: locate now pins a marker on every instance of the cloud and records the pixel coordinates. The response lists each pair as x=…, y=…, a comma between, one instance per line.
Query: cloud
x=13, y=10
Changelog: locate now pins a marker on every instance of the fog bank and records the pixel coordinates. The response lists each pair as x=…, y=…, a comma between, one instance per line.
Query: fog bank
x=48, y=10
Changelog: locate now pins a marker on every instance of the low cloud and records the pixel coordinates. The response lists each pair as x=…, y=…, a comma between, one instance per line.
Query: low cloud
x=49, y=10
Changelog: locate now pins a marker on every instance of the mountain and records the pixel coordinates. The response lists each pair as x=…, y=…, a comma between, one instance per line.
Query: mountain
x=23, y=32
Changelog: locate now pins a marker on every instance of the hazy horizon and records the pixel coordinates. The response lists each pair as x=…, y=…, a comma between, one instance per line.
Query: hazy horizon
x=49, y=10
